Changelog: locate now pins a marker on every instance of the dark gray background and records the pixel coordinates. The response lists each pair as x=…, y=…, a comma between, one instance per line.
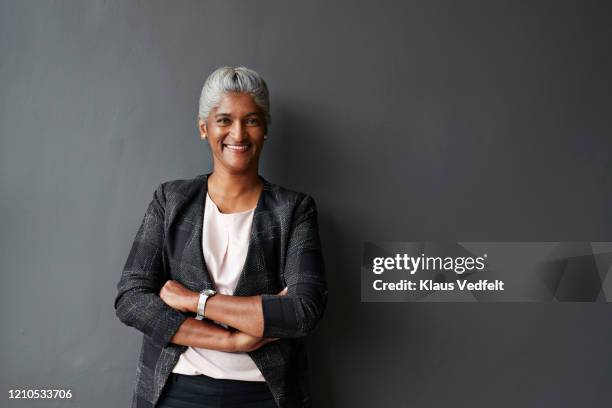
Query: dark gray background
x=407, y=121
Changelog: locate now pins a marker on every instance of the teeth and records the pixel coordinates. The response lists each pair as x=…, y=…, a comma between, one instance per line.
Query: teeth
x=238, y=148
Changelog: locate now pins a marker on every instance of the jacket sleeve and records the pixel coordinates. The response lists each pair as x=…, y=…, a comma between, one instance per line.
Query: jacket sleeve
x=297, y=313
x=137, y=303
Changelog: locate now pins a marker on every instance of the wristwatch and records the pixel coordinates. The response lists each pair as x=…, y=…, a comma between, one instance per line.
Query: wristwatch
x=204, y=295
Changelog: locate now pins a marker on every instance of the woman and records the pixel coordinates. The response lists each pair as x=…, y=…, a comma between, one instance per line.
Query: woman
x=225, y=275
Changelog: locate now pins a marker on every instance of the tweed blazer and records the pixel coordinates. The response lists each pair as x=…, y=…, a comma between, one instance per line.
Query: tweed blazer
x=284, y=251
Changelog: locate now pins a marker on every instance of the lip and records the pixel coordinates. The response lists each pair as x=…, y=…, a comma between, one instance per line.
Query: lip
x=236, y=148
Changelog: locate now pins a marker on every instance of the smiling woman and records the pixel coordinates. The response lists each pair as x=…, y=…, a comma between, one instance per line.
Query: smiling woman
x=235, y=131
x=226, y=274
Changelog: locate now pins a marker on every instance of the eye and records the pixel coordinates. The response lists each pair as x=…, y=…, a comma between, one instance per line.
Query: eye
x=253, y=121
x=223, y=121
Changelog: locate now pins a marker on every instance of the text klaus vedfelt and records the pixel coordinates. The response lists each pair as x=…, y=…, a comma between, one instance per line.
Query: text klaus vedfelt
x=412, y=264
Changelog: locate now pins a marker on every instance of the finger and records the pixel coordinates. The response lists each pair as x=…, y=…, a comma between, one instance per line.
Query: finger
x=282, y=292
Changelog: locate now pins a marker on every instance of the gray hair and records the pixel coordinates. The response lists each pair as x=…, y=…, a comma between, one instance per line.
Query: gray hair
x=226, y=80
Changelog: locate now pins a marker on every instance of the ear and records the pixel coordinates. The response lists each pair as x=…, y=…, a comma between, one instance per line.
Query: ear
x=202, y=128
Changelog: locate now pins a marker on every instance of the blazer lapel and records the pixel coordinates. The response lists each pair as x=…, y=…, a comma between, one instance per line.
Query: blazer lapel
x=254, y=263
x=193, y=268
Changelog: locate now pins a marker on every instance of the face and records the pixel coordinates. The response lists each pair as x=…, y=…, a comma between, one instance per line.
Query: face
x=235, y=132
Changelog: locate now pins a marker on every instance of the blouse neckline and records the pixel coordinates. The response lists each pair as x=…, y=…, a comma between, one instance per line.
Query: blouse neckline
x=218, y=212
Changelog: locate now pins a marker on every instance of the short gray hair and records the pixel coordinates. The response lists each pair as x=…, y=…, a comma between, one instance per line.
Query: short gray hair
x=226, y=80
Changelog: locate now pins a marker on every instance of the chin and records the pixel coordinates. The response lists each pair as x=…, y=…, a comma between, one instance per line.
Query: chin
x=239, y=165
x=238, y=168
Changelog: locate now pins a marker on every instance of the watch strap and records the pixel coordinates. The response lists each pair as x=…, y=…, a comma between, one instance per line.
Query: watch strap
x=204, y=295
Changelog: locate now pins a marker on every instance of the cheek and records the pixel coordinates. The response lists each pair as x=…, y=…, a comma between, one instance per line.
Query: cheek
x=215, y=138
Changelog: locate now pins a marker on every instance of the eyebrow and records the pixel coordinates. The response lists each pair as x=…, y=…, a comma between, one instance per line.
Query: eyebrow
x=248, y=114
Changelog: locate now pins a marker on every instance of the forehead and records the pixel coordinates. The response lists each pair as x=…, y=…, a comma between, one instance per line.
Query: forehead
x=237, y=104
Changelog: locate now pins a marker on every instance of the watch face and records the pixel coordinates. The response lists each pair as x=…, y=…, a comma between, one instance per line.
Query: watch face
x=209, y=292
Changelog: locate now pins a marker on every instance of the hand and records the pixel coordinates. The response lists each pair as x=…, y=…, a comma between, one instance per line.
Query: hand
x=245, y=342
x=179, y=297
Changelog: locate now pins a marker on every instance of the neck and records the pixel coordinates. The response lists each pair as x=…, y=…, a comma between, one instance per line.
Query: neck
x=230, y=185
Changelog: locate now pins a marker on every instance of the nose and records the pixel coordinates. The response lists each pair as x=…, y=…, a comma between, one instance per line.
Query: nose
x=238, y=131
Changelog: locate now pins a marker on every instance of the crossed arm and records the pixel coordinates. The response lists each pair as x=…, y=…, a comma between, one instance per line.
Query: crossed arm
x=243, y=313
x=158, y=308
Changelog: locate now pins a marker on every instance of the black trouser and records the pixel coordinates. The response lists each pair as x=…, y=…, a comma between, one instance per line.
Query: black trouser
x=200, y=391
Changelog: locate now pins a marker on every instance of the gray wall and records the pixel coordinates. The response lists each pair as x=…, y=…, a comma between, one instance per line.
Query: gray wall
x=408, y=121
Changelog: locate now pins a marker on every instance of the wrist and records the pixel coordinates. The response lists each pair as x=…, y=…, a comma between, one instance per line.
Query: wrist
x=191, y=303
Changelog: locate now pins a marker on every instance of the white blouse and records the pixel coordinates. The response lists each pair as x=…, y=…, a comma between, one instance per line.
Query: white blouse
x=225, y=242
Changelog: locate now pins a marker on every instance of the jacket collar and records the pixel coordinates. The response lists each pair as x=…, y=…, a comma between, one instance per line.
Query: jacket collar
x=194, y=250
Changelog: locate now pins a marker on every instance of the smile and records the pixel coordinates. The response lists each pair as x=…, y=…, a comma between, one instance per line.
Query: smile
x=237, y=148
